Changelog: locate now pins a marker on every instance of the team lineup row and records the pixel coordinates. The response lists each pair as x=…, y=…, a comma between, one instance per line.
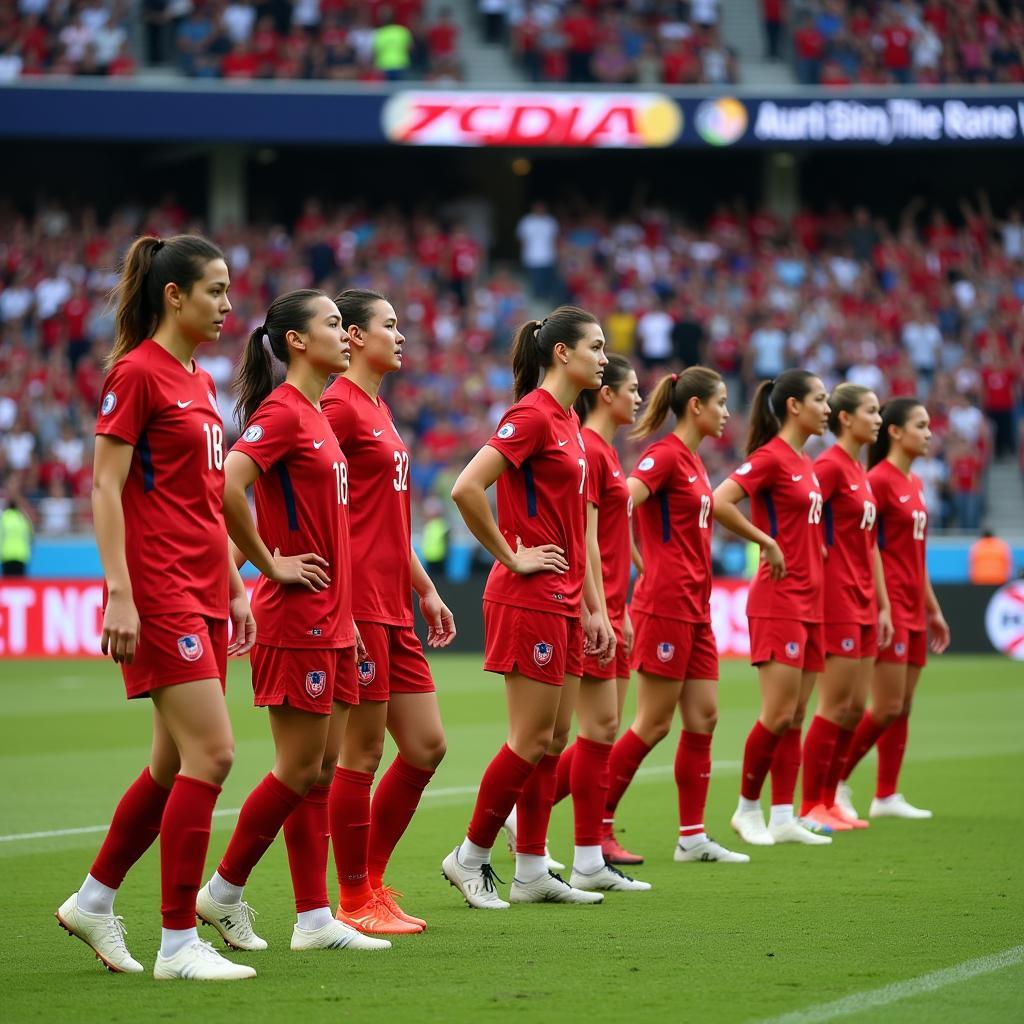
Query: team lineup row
x=338, y=665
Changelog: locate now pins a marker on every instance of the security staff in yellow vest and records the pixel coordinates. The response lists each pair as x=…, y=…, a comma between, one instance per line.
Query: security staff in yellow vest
x=15, y=540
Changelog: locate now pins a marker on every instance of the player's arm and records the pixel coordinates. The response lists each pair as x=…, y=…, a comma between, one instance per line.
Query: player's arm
x=937, y=625
x=111, y=464
x=885, y=628
x=241, y=472
x=728, y=494
x=639, y=492
x=597, y=625
x=437, y=615
x=470, y=496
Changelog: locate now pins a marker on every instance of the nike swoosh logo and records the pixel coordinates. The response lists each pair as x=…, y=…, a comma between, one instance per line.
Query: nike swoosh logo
x=854, y=487
x=616, y=473
x=690, y=479
x=904, y=498
x=797, y=479
x=184, y=405
x=377, y=433
x=562, y=444
x=319, y=444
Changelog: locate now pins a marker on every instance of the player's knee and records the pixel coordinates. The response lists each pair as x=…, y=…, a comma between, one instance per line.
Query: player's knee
x=605, y=729
x=559, y=741
x=779, y=721
x=655, y=731
x=532, y=747
x=708, y=720
x=427, y=753
x=217, y=761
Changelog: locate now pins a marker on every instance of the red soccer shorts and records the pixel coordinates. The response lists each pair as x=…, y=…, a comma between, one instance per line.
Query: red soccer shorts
x=305, y=678
x=851, y=639
x=908, y=647
x=539, y=645
x=674, y=649
x=799, y=644
x=394, y=662
x=179, y=647
x=617, y=668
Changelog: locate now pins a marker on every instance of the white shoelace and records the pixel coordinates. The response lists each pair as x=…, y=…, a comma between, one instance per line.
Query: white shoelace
x=117, y=932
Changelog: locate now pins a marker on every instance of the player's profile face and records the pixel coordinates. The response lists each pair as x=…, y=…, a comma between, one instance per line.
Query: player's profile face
x=328, y=346
x=915, y=436
x=626, y=401
x=866, y=420
x=382, y=340
x=205, y=306
x=812, y=411
x=586, y=362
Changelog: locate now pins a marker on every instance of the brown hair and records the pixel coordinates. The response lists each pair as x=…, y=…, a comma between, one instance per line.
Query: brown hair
x=895, y=413
x=846, y=398
x=534, y=345
x=768, y=411
x=617, y=370
x=673, y=392
x=149, y=266
x=356, y=306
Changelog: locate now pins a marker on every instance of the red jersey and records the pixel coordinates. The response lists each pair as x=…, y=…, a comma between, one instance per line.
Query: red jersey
x=608, y=491
x=786, y=503
x=902, y=532
x=674, y=533
x=849, y=520
x=301, y=505
x=176, y=544
x=542, y=498
x=379, y=507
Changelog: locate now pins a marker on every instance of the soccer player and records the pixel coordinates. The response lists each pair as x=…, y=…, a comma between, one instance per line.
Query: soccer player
x=902, y=537
x=534, y=598
x=858, y=619
x=158, y=482
x=785, y=608
x=583, y=767
x=303, y=664
x=396, y=690
x=674, y=650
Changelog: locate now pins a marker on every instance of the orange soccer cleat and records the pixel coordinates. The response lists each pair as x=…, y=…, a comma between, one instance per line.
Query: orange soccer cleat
x=820, y=815
x=852, y=820
x=374, y=918
x=614, y=852
x=389, y=897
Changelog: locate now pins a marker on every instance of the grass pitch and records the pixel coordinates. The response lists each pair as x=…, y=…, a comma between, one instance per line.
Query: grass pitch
x=794, y=929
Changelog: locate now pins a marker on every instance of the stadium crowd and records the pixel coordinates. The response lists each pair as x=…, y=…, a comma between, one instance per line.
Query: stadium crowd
x=926, y=305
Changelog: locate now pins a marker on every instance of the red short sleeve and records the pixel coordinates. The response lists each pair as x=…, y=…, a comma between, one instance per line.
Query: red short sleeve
x=522, y=432
x=757, y=472
x=127, y=402
x=654, y=468
x=829, y=475
x=341, y=415
x=269, y=435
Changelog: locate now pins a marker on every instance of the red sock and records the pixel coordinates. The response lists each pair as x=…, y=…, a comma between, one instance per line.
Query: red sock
x=533, y=808
x=819, y=749
x=627, y=754
x=864, y=738
x=693, y=774
x=134, y=828
x=589, y=788
x=502, y=782
x=307, y=836
x=757, y=759
x=837, y=768
x=786, y=767
x=184, y=839
x=563, y=778
x=264, y=812
x=394, y=803
x=891, y=746
x=349, y=809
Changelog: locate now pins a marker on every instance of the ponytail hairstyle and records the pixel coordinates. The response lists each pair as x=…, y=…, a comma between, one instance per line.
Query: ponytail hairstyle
x=673, y=392
x=846, y=398
x=149, y=266
x=617, y=370
x=356, y=306
x=254, y=380
x=895, y=413
x=534, y=345
x=768, y=412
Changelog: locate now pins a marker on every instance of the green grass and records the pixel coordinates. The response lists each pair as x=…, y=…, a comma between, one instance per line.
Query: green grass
x=795, y=928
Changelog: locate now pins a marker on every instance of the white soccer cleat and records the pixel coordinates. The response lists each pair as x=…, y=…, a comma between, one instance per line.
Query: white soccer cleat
x=844, y=800
x=475, y=884
x=552, y=864
x=709, y=852
x=793, y=831
x=606, y=879
x=232, y=920
x=335, y=935
x=750, y=827
x=896, y=806
x=510, y=838
x=550, y=888
x=199, y=961
x=103, y=933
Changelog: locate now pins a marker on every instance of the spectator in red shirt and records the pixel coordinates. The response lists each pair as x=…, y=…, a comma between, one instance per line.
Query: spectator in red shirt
x=894, y=41
x=809, y=46
x=443, y=37
x=581, y=29
x=998, y=387
x=965, y=484
x=773, y=15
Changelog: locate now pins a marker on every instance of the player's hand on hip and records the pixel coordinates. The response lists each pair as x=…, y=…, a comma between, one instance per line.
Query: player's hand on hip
x=772, y=554
x=543, y=558
x=308, y=570
x=121, y=628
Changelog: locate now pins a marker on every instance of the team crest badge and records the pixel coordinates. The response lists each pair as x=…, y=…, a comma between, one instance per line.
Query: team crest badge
x=792, y=649
x=190, y=647
x=900, y=649
x=542, y=653
x=847, y=643
x=506, y=431
x=666, y=651
x=109, y=401
x=316, y=682
x=366, y=672
x=253, y=434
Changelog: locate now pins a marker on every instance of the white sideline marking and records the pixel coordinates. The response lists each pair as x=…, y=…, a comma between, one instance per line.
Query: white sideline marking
x=224, y=812
x=872, y=999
